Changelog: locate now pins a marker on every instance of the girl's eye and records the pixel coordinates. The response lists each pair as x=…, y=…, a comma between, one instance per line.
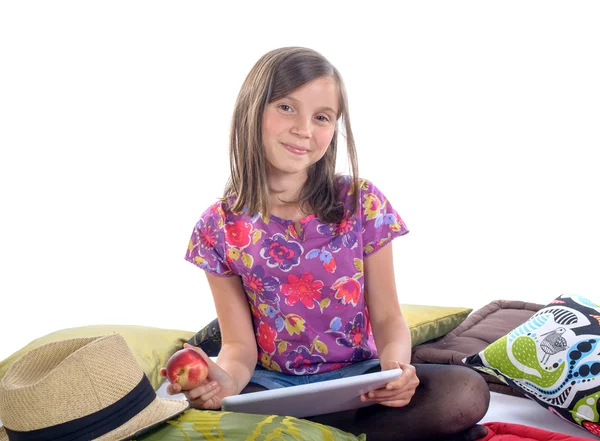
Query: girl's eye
x=325, y=119
x=285, y=107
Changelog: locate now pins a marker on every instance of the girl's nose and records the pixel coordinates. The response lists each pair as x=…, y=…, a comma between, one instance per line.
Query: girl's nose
x=301, y=127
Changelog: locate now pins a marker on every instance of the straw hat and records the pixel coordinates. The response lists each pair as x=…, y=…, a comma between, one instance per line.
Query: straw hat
x=80, y=389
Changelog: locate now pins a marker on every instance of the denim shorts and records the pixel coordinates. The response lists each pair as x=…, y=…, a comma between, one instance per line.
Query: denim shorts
x=274, y=380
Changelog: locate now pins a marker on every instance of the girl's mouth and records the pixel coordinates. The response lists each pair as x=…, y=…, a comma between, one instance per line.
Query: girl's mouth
x=296, y=150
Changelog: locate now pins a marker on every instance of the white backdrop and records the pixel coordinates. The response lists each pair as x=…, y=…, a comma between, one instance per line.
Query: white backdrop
x=479, y=120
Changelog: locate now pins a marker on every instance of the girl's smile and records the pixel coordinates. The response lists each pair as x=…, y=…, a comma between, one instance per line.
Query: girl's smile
x=296, y=150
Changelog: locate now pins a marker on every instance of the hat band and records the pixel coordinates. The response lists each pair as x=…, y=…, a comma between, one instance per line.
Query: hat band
x=96, y=424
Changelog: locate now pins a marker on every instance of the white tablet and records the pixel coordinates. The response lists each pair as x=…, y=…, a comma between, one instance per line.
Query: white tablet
x=312, y=399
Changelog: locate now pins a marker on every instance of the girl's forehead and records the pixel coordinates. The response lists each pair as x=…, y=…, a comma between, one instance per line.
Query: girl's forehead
x=321, y=92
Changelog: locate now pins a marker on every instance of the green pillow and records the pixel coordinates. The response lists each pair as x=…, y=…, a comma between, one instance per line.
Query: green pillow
x=430, y=322
x=425, y=323
x=211, y=425
x=151, y=347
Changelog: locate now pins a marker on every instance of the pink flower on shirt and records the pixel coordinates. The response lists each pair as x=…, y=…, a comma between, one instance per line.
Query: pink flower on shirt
x=266, y=338
x=237, y=233
x=209, y=234
x=302, y=289
x=347, y=290
x=256, y=282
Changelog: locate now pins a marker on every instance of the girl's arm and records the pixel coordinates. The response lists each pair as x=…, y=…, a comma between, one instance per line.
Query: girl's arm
x=392, y=336
x=390, y=331
x=238, y=354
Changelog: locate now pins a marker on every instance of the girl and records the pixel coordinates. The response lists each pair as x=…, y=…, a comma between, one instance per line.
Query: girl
x=298, y=262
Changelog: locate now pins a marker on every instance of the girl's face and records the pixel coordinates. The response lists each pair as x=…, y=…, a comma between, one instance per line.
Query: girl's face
x=297, y=129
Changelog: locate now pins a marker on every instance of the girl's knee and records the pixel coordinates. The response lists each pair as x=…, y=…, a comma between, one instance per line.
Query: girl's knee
x=463, y=394
x=473, y=397
x=479, y=387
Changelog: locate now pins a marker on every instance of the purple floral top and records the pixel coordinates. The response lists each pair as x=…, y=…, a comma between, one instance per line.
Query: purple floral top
x=305, y=289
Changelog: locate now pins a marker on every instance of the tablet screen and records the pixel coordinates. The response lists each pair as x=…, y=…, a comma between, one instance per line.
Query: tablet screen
x=312, y=399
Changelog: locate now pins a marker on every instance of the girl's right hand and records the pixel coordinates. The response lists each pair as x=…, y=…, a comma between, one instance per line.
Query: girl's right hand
x=218, y=385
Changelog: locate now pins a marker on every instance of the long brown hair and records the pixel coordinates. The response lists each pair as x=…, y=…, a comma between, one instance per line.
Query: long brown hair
x=277, y=74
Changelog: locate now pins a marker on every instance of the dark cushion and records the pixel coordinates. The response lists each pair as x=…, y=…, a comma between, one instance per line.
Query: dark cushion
x=481, y=328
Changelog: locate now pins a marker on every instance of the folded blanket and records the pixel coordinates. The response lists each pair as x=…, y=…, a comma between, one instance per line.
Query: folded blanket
x=481, y=328
x=518, y=432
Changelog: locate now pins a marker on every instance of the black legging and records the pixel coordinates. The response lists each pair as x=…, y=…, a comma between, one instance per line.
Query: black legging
x=448, y=402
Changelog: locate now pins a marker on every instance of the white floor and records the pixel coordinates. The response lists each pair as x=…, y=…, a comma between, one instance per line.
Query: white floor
x=506, y=408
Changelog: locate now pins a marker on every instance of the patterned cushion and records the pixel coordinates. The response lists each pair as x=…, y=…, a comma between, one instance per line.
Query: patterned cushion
x=553, y=358
x=425, y=322
x=211, y=425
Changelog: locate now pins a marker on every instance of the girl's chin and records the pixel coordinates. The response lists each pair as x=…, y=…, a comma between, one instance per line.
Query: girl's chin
x=287, y=168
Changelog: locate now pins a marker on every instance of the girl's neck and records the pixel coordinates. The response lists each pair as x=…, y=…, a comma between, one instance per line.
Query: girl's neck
x=285, y=189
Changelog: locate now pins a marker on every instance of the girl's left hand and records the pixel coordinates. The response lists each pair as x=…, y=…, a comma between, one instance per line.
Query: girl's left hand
x=396, y=393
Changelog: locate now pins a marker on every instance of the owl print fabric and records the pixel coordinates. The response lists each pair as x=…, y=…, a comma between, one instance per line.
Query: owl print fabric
x=305, y=288
x=554, y=359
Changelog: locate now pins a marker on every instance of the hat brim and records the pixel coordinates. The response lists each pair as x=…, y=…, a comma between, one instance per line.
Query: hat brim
x=157, y=412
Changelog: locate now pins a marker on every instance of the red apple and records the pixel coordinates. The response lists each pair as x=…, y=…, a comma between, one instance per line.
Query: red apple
x=188, y=368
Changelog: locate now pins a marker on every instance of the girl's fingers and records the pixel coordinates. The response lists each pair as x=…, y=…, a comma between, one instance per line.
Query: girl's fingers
x=163, y=372
x=381, y=394
x=397, y=387
x=386, y=395
x=395, y=403
x=205, y=389
x=386, y=401
x=212, y=403
x=398, y=384
x=210, y=394
x=174, y=389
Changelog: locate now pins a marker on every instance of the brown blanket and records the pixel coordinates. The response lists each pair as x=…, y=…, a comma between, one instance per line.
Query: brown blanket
x=481, y=328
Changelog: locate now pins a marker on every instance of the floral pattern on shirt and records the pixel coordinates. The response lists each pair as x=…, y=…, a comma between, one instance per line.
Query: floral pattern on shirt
x=302, y=361
x=237, y=233
x=352, y=338
x=255, y=282
x=344, y=233
x=266, y=338
x=281, y=253
x=305, y=288
x=302, y=289
x=348, y=290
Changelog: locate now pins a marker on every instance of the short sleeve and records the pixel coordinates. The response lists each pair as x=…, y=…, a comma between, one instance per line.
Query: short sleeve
x=206, y=248
x=380, y=222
